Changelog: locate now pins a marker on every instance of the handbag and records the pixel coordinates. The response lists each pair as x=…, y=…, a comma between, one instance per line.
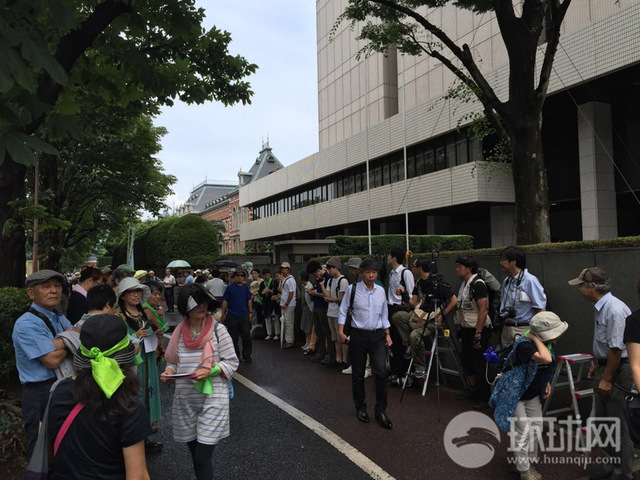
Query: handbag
x=38, y=467
x=347, y=323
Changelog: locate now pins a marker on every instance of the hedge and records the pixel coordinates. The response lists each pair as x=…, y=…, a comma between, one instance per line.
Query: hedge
x=193, y=239
x=610, y=243
x=381, y=244
x=14, y=303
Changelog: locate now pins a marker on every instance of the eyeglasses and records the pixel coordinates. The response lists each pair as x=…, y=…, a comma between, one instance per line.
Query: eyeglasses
x=241, y=275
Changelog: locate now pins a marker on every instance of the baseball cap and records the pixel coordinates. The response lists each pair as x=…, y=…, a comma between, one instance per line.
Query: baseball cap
x=591, y=275
x=285, y=265
x=42, y=276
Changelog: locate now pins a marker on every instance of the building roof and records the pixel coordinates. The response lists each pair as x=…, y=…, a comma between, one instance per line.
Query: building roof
x=206, y=196
x=206, y=193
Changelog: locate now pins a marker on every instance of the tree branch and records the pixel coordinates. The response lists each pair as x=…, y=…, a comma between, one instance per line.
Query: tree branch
x=463, y=54
x=558, y=12
x=72, y=46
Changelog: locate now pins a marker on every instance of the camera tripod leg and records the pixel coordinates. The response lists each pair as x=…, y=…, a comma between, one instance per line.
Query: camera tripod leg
x=434, y=352
x=404, y=381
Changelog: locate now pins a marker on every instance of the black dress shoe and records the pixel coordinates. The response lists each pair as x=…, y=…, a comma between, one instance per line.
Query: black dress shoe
x=363, y=416
x=383, y=420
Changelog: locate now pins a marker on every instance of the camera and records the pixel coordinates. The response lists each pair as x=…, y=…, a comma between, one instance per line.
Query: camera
x=507, y=313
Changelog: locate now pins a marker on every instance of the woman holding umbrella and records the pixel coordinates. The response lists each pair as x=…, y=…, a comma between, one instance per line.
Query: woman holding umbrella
x=131, y=294
x=201, y=348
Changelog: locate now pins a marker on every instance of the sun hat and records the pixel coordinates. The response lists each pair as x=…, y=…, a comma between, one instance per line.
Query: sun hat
x=139, y=274
x=131, y=283
x=105, y=347
x=354, y=262
x=591, y=275
x=547, y=326
x=42, y=276
x=334, y=262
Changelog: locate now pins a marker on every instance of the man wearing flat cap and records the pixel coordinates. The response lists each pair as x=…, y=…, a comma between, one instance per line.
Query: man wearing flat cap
x=38, y=352
x=613, y=365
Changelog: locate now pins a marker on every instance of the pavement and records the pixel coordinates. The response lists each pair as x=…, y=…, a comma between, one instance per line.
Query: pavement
x=294, y=419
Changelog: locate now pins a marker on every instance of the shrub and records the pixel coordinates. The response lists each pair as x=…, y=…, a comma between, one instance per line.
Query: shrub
x=381, y=244
x=14, y=303
x=193, y=239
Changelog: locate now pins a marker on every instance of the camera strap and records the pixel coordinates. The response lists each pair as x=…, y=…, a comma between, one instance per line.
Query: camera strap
x=45, y=319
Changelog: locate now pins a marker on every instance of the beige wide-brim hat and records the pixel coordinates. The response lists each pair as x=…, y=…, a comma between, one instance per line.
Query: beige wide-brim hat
x=547, y=326
x=131, y=283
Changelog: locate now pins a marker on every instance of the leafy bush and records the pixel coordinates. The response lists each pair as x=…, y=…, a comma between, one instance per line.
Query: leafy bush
x=158, y=256
x=193, y=239
x=14, y=303
x=381, y=244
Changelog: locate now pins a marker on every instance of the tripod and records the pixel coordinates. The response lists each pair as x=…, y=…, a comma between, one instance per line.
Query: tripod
x=437, y=307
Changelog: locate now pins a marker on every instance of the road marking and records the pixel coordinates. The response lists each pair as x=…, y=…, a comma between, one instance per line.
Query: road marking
x=340, y=444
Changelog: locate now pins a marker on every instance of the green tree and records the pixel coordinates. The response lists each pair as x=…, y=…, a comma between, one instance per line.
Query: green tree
x=98, y=185
x=518, y=120
x=146, y=53
x=193, y=239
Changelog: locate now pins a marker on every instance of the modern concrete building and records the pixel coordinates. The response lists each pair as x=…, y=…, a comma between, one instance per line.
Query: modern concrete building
x=591, y=137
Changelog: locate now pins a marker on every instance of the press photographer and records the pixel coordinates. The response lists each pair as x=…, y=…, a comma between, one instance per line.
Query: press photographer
x=522, y=295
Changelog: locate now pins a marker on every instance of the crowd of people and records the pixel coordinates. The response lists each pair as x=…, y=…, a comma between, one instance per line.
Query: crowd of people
x=92, y=380
x=104, y=358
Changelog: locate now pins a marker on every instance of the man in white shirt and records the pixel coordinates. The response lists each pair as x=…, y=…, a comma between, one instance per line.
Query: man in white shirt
x=216, y=285
x=168, y=282
x=369, y=334
x=399, y=290
x=288, y=303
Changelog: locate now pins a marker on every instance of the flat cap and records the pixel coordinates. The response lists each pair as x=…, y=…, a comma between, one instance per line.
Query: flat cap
x=42, y=276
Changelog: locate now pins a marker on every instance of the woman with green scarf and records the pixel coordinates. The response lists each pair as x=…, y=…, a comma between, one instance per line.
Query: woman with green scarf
x=131, y=294
x=106, y=423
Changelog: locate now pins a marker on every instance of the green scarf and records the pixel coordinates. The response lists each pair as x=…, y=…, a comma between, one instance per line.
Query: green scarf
x=106, y=371
x=163, y=326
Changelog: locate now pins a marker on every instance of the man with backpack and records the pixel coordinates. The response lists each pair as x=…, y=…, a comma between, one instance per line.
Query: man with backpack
x=400, y=286
x=474, y=328
x=333, y=294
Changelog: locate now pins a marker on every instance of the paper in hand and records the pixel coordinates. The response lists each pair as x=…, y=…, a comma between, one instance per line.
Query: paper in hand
x=150, y=343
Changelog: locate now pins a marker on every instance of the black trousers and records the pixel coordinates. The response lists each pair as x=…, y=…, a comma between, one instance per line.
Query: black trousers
x=168, y=297
x=325, y=347
x=257, y=307
x=399, y=364
x=473, y=360
x=34, y=402
x=361, y=343
x=240, y=327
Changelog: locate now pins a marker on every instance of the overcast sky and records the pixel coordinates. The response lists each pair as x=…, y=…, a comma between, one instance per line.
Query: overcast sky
x=215, y=142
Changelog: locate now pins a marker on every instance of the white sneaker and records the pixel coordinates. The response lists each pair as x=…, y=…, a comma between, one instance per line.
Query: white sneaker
x=277, y=337
x=367, y=372
x=347, y=371
x=269, y=337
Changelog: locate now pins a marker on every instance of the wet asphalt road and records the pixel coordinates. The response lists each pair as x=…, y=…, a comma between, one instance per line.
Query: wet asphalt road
x=268, y=443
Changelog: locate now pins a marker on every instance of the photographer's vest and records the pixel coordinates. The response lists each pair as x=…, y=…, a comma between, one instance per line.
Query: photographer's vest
x=467, y=312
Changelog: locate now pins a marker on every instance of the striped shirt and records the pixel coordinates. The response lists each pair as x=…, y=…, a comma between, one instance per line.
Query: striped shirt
x=197, y=416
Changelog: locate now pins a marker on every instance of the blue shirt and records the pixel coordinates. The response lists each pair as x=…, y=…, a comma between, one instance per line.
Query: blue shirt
x=188, y=280
x=32, y=339
x=369, y=307
x=237, y=297
x=525, y=293
x=319, y=302
x=610, y=317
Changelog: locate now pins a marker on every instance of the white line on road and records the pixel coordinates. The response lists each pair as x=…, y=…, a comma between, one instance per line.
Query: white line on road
x=340, y=444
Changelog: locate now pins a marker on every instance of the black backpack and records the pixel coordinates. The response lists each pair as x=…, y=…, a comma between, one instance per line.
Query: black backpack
x=494, y=290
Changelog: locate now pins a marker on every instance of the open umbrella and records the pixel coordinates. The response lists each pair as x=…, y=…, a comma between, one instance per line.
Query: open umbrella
x=178, y=264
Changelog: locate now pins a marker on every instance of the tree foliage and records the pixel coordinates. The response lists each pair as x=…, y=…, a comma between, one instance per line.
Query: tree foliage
x=144, y=54
x=406, y=25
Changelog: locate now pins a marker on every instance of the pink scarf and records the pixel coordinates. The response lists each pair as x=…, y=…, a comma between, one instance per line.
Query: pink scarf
x=203, y=342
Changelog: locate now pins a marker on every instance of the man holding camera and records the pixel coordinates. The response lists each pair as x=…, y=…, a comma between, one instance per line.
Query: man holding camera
x=522, y=295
